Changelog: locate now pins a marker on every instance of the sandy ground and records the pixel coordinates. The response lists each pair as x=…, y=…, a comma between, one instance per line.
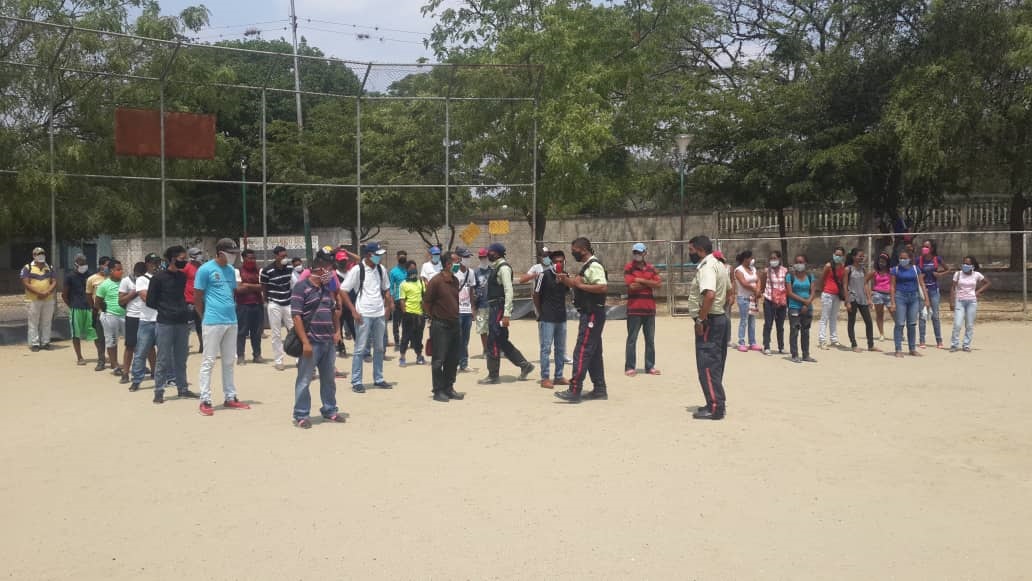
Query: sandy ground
x=858, y=467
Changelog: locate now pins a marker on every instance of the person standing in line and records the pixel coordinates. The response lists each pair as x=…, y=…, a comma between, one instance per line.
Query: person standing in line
x=907, y=296
x=707, y=298
x=432, y=267
x=146, y=333
x=589, y=296
x=775, y=301
x=878, y=279
x=91, y=294
x=39, y=282
x=642, y=280
x=441, y=304
x=166, y=294
x=196, y=260
x=398, y=275
x=747, y=285
x=460, y=264
x=214, y=290
x=80, y=312
x=275, y=280
x=112, y=315
x=968, y=285
x=544, y=263
x=298, y=268
x=499, y=296
x=550, y=299
x=833, y=292
x=483, y=308
x=411, y=305
x=250, y=318
x=131, y=302
x=859, y=298
x=373, y=302
x=800, y=309
x=931, y=266
x=312, y=308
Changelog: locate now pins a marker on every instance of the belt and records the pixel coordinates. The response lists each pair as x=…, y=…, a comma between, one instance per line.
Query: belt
x=716, y=316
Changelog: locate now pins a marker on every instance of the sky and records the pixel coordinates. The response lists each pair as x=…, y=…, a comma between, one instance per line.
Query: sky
x=332, y=25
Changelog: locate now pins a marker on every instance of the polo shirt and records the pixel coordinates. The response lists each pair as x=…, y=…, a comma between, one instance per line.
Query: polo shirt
x=93, y=282
x=316, y=305
x=218, y=283
x=108, y=292
x=710, y=275
x=39, y=277
x=640, y=302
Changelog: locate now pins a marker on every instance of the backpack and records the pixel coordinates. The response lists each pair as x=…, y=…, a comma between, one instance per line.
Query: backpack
x=361, y=278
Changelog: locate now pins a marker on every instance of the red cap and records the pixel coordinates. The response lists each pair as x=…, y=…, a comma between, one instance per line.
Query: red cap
x=482, y=253
x=718, y=255
x=341, y=256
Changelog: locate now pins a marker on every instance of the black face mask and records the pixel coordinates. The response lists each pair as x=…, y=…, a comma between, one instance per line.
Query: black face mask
x=694, y=258
x=402, y=261
x=180, y=264
x=492, y=256
x=578, y=256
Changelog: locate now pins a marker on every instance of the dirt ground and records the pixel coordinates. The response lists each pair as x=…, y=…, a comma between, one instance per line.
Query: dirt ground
x=857, y=467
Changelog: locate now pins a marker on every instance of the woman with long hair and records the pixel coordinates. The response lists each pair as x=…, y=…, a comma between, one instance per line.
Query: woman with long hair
x=833, y=293
x=859, y=297
x=775, y=301
x=800, y=309
x=907, y=296
x=968, y=284
x=931, y=266
x=747, y=283
x=880, y=285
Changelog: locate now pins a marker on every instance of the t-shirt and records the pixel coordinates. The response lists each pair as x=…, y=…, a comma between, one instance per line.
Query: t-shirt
x=132, y=308
x=430, y=270
x=552, y=295
x=108, y=292
x=750, y=276
x=412, y=293
x=147, y=314
x=483, y=274
x=467, y=287
x=398, y=275
x=248, y=297
x=190, y=270
x=219, y=284
x=536, y=270
x=799, y=286
x=166, y=295
x=39, y=277
x=710, y=275
x=966, y=285
x=640, y=302
x=369, y=299
x=93, y=282
x=277, y=284
x=75, y=285
x=928, y=267
x=316, y=305
x=906, y=278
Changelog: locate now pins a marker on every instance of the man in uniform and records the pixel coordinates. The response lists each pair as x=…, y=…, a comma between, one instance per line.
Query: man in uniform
x=707, y=297
x=589, y=296
x=499, y=299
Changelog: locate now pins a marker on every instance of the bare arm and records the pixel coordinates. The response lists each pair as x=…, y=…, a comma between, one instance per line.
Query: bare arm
x=199, y=302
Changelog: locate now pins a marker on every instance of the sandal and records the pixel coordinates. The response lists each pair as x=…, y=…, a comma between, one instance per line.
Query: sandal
x=336, y=417
x=303, y=423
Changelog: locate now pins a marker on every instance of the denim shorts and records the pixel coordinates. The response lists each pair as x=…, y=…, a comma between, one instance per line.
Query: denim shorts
x=880, y=298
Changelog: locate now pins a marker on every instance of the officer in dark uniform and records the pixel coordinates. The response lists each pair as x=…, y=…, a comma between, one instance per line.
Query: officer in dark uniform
x=589, y=296
x=499, y=299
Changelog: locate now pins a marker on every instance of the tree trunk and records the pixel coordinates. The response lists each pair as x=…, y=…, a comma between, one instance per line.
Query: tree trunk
x=1017, y=222
x=782, y=233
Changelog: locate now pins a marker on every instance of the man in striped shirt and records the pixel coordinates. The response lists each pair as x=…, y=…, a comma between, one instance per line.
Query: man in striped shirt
x=313, y=308
x=275, y=279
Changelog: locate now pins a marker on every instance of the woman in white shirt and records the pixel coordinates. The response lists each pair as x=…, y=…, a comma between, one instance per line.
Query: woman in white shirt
x=747, y=285
x=968, y=285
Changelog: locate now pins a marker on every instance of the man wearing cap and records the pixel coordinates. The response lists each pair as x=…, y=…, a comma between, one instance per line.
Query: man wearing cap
x=275, y=280
x=433, y=267
x=214, y=290
x=461, y=261
x=80, y=313
x=499, y=298
x=196, y=259
x=165, y=294
x=38, y=279
x=372, y=303
x=589, y=296
x=441, y=304
x=146, y=334
x=398, y=275
x=642, y=280
x=707, y=297
x=312, y=306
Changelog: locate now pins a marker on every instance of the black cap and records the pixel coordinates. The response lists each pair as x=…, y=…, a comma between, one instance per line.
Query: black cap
x=152, y=258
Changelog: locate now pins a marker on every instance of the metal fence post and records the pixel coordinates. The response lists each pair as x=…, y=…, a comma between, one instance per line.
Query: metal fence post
x=1024, y=273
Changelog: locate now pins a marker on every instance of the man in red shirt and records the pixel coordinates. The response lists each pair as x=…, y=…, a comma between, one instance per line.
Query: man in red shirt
x=196, y=260
x=642, y=279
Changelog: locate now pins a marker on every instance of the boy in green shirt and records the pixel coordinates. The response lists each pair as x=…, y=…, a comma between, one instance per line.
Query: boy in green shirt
x=112, y=316
x=413, y=323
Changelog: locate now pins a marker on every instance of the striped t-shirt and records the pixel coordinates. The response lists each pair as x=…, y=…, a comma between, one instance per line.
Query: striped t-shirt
x=315, y=304
x=276, y=282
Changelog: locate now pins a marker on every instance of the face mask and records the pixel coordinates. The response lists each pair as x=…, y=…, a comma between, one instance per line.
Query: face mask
x=285, y=262
x=103, y=270
x=926, y=251
x=455, y=268
x=40, y=258
x=967, y=268
x=639, y=258
x=230, y=256
x=752, y=262
x=492, y=257
x=376, y=259
x=435, y=259
x=860, y=260
x=403, y=261
x=904, y=262
x=82, y=268
x=546, y=262
x=578, y=256
x=800, y=267
x=413, y=275
x=775, y=263
x=838, y=259
x=468, y=262
x=180, y=264
x=299, y=268
x=484, y=263
x=694, y=258
x=325, y=277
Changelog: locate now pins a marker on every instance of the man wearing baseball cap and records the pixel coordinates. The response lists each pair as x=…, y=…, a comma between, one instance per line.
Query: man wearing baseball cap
x=196, y=259
x=38, y=279
x=499, y=298
x=432, y=267
x=372, y=304
x=642, y=279
x=214, y=290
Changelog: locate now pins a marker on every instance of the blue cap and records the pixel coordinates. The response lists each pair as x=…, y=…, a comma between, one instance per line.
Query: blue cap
x=374, y=248
x=639, y=247
x=497, y=247
x=435, y=250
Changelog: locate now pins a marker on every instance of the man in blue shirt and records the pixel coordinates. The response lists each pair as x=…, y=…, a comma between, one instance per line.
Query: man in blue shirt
x=398, y=275
x=214, y=289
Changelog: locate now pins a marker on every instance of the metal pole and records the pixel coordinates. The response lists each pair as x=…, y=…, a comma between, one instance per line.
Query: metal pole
x=681, y=231
x=161, y=115
x=300, y=128
x=1024, y=273
x=243, y=197
x=54, y=259
x=447, y=163
x=358, y=173
x=265, y=184
x=533, y=186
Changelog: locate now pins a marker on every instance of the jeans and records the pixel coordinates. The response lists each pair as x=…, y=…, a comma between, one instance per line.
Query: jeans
x=799, y=323
x=251, y=319
x=865, y=312
x=279, y=319
x=173, y=347
x=964, y=313
x=374, y=328
x=446, y=337
x=634, y=325
x=41, y=316
x=710, y=359
x=829, y=318
x=324, y=356
x=146, y=337
x=552, y=335
x=934, y=299
x=218, y=340
x=774, y=315
x=746, y=321
x=908, y=307
x=465, y=328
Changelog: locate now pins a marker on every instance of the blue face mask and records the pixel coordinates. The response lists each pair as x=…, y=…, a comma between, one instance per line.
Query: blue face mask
x=967, y=268
x=904, y=262
x=435, y=259
x=839, y=259
x=546, y=261
x=376, y=259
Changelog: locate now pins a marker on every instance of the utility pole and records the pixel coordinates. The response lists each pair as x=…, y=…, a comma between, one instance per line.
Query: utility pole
x=300, y=129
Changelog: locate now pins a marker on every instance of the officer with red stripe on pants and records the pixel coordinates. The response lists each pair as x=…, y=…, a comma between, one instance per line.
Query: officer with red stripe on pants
x=589, y=296
x=707, y=296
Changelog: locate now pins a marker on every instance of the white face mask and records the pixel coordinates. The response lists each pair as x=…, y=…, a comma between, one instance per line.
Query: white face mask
x=40, y=258
x=285, y=262
x=752, y=262
x=484, y=263
x=82, y=268
x=299, y=268
x=775, y=263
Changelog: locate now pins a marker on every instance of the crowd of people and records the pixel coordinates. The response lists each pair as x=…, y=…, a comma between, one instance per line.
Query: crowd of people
x=345, y=297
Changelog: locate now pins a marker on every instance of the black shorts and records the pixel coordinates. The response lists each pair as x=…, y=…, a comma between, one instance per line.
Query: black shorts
x=132, y=328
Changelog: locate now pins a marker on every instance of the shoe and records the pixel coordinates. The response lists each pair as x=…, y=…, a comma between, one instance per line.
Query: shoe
x=809, y=359
x=280, y=367
x=755, y=348
x=441, y=397
x=206, y=409
x=630, y=373
x=915, y=354
x=899, y=355
x=358, y=388
x=80, y=362
x=401, y=362
x=822, y=346
x=125, y=379
x=258, y=359
x=99, y=367
x=134, y=387
x=46, y=347
x=384, y=385
x=368, y=359
x=159, y=397
x=452, y=394
x=743, y=348
x=940, y=345
x=235, y=404
x=766, y=351
x=560, y=381
x=967, y=349
x=241, y=361
x=547, y=384
x=337, y=373
x=420, y=360
x=490, y=381
x=701, y=408
x=709, y=414
x=34, y=348
x=303, y=423
x=835, y=343
x=954, y=349
x=595, y=395
x=569, y=396
x=654, y=371
x=465, y=370
x=117, y=372
x=187, y=394
x=335, y=417
x=796, y=360
x=526, y=370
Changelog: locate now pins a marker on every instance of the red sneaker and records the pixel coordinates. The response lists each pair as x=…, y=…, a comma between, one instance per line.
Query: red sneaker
x=206, y=409
x=235, y=404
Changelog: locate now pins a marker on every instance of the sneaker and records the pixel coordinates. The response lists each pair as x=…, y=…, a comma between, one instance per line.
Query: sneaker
x=420, y=360
x=490, y=380
x=358, y=388
x=159, y=397
x=134, y=387
x=117, y=372
x=836, y=344
x=526, y=370
x=241, y=361
x=401, y=362
x=80, y=362
x=206, y=409
x=630, y=373
x=654, y=371
x=756, y=348
x=258, y=359
x=187, y=394
x=46, y=347
x=547, y=384
x=809, y=359
x=954, y=349
x=383, y=385
x=743, y=348
x=337, y=373
x=766, y=351
x=99, y=367
x=822, y=346
x=967, y=349
x=280, y=367
x=569, y=396
x=796, y=360
x=125, y=379
x=34, y=348
x=235, y=404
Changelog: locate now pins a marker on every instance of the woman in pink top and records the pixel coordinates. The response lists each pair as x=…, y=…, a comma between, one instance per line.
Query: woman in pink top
x=775, y=301
x=879, y=280
x=968, y=285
